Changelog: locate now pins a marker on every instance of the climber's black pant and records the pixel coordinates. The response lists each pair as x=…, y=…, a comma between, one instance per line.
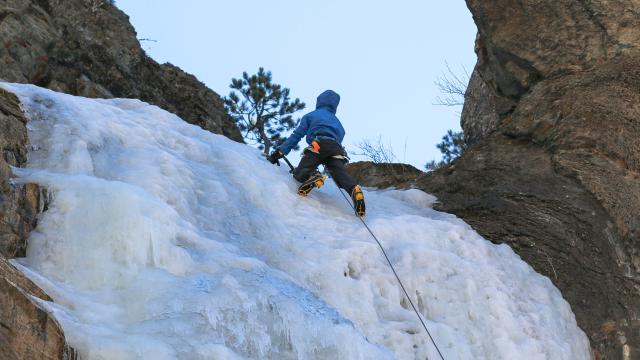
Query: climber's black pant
x=310, y=161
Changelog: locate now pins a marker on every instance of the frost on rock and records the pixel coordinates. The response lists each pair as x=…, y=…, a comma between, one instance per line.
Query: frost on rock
x=164, y=241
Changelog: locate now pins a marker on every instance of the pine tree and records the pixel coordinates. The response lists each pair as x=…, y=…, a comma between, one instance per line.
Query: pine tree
x=451, y=147
x=262, y=110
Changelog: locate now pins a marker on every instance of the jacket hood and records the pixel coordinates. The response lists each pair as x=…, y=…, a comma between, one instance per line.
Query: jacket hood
x=328, y=100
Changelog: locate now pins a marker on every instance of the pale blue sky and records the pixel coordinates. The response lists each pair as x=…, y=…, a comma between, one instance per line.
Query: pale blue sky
x=382, y=57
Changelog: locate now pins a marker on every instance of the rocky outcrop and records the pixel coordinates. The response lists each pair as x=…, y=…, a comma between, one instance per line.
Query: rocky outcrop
x=479, y=117
x=27, y=331
x=89, y=48
x=18, y=204
x=383, y=176
x=523, y=42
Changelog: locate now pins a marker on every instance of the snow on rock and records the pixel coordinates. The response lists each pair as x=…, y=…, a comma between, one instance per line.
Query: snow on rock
x=164, y=241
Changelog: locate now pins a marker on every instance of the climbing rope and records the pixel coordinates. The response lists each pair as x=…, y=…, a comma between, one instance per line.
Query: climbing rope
x=394, y=272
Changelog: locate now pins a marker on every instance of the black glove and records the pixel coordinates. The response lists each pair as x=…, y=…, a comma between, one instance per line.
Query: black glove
x=275, y=155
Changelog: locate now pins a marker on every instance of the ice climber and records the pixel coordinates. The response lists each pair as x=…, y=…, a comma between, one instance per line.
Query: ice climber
x=324, y=134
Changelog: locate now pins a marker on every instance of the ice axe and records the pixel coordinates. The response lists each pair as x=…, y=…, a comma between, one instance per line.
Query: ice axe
x=288, y=163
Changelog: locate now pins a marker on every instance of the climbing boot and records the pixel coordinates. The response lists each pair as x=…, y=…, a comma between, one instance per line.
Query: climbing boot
x=358, y=200
x=315, y=181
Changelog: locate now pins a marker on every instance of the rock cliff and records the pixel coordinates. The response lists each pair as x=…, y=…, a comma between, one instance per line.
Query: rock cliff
x=27, y=331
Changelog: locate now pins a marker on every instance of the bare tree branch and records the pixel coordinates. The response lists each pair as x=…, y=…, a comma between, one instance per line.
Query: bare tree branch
x=452, y=86
x=376, y=152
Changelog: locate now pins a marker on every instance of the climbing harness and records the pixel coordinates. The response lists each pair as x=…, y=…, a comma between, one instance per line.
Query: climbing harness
x=315, y=147
x=388, y=261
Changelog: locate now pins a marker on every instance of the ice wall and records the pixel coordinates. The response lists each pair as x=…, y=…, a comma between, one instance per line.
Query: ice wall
x=164, y=241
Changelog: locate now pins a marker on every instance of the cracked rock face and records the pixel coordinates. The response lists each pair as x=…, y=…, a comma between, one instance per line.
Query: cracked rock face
x=522, y=42
x=18, y=204
x=479, y=117
x=89, y=48
x=27, y=331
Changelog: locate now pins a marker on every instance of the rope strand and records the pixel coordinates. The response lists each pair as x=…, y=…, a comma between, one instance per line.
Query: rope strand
x=394, y=273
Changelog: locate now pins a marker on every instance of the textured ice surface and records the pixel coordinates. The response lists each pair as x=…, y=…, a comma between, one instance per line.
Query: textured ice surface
x=164, y=241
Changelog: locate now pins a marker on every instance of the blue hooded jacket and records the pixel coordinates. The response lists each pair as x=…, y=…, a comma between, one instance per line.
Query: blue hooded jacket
x=320, y=122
